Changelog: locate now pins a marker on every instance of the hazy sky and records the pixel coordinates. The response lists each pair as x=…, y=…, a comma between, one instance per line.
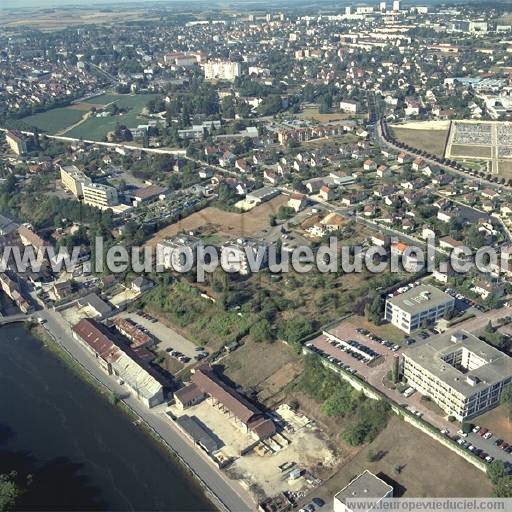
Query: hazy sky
x=52, y=3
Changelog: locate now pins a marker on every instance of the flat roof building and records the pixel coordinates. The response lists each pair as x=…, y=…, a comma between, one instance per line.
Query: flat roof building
x=100, y=196
x=461, y=373
x=420, y=306
x=17, y=142
x=73, y=179
x=362, y=494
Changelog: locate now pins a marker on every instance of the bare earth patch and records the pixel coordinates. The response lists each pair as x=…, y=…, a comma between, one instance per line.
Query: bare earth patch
x=229, y=224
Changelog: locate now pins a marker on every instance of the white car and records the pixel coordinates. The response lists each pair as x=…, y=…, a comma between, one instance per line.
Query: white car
x=462, y=434
x=445, y=431
x=488, y=435
x=471, y=447
x=476, y=429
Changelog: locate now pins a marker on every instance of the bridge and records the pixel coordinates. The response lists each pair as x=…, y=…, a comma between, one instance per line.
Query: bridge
x=12, y=319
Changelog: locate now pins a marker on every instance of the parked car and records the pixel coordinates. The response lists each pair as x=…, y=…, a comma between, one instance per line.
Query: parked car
x=318, y=502
x=487, y=435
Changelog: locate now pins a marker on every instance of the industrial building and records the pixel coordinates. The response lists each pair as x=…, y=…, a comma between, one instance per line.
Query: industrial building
x=137, y=375
x=206, y=385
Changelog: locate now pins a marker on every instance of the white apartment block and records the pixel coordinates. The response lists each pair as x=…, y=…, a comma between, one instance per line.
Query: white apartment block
x=459, y=372
x=421, y=305
x=73, y=179
x=179, y=253
x=222, y=70
x=100, y=196
x=234, y=255
x=396, y=5
x=349, y=106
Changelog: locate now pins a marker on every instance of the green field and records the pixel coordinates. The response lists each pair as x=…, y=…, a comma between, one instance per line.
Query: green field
x=58, y=119
x=96, y=128
x=55, y=120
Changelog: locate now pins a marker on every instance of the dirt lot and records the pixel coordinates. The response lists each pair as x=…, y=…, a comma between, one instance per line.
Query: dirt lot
x=229, y=224
x=421, y=459
x=313, y=113
x=463, y=150
x=498, y=422
x=432, y=141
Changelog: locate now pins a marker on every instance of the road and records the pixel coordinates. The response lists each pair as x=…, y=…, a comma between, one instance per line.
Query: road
x=230, y=494
x=383, y=143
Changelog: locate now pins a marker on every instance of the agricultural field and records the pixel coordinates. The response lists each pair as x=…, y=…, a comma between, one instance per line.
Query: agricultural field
x=430, y=140
x=460, y=151
x=54, y=121
x=97, y=128
x=76, y=121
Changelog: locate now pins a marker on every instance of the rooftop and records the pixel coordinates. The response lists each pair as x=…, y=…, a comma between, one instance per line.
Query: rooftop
x=420, y=298
x=365, y=486
x=488, y=364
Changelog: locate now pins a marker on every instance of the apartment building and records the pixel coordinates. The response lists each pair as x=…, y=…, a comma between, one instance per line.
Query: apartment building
x=73, y=179
x=100, y=196
x=459, y=372
x=237, y=255
x=222, y=70
x=16, y=141
x=419, y=306
x=179, y=253
x=349, y=106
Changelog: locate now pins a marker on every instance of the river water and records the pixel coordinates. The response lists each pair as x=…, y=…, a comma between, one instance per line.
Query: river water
x=82, y=452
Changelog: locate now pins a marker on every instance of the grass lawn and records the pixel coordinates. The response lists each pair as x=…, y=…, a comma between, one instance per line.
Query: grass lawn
x=422, y=460
x=55, y=120
x=266, y=367
x=95, y=128
x=433, y=141
x=464, y=150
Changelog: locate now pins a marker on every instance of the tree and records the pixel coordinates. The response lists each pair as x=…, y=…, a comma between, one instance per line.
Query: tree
x=9, y=491
x=295, y=329
x=261, y=331
x=503, y=488
x=339, y=404
x=506, y=399
x=496, y=471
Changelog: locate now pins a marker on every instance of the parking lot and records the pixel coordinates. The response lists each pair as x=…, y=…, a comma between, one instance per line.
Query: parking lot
x=167, y=339
x=356, y=350
x=483, y=443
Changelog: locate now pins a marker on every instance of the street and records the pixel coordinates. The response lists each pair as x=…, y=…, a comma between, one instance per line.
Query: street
x=233, y=497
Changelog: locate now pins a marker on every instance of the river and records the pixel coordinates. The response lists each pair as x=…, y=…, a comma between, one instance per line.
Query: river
x=83, y=452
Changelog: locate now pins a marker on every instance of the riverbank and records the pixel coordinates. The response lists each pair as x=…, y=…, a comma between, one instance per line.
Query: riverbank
x=84, y=453
x=116, y=400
